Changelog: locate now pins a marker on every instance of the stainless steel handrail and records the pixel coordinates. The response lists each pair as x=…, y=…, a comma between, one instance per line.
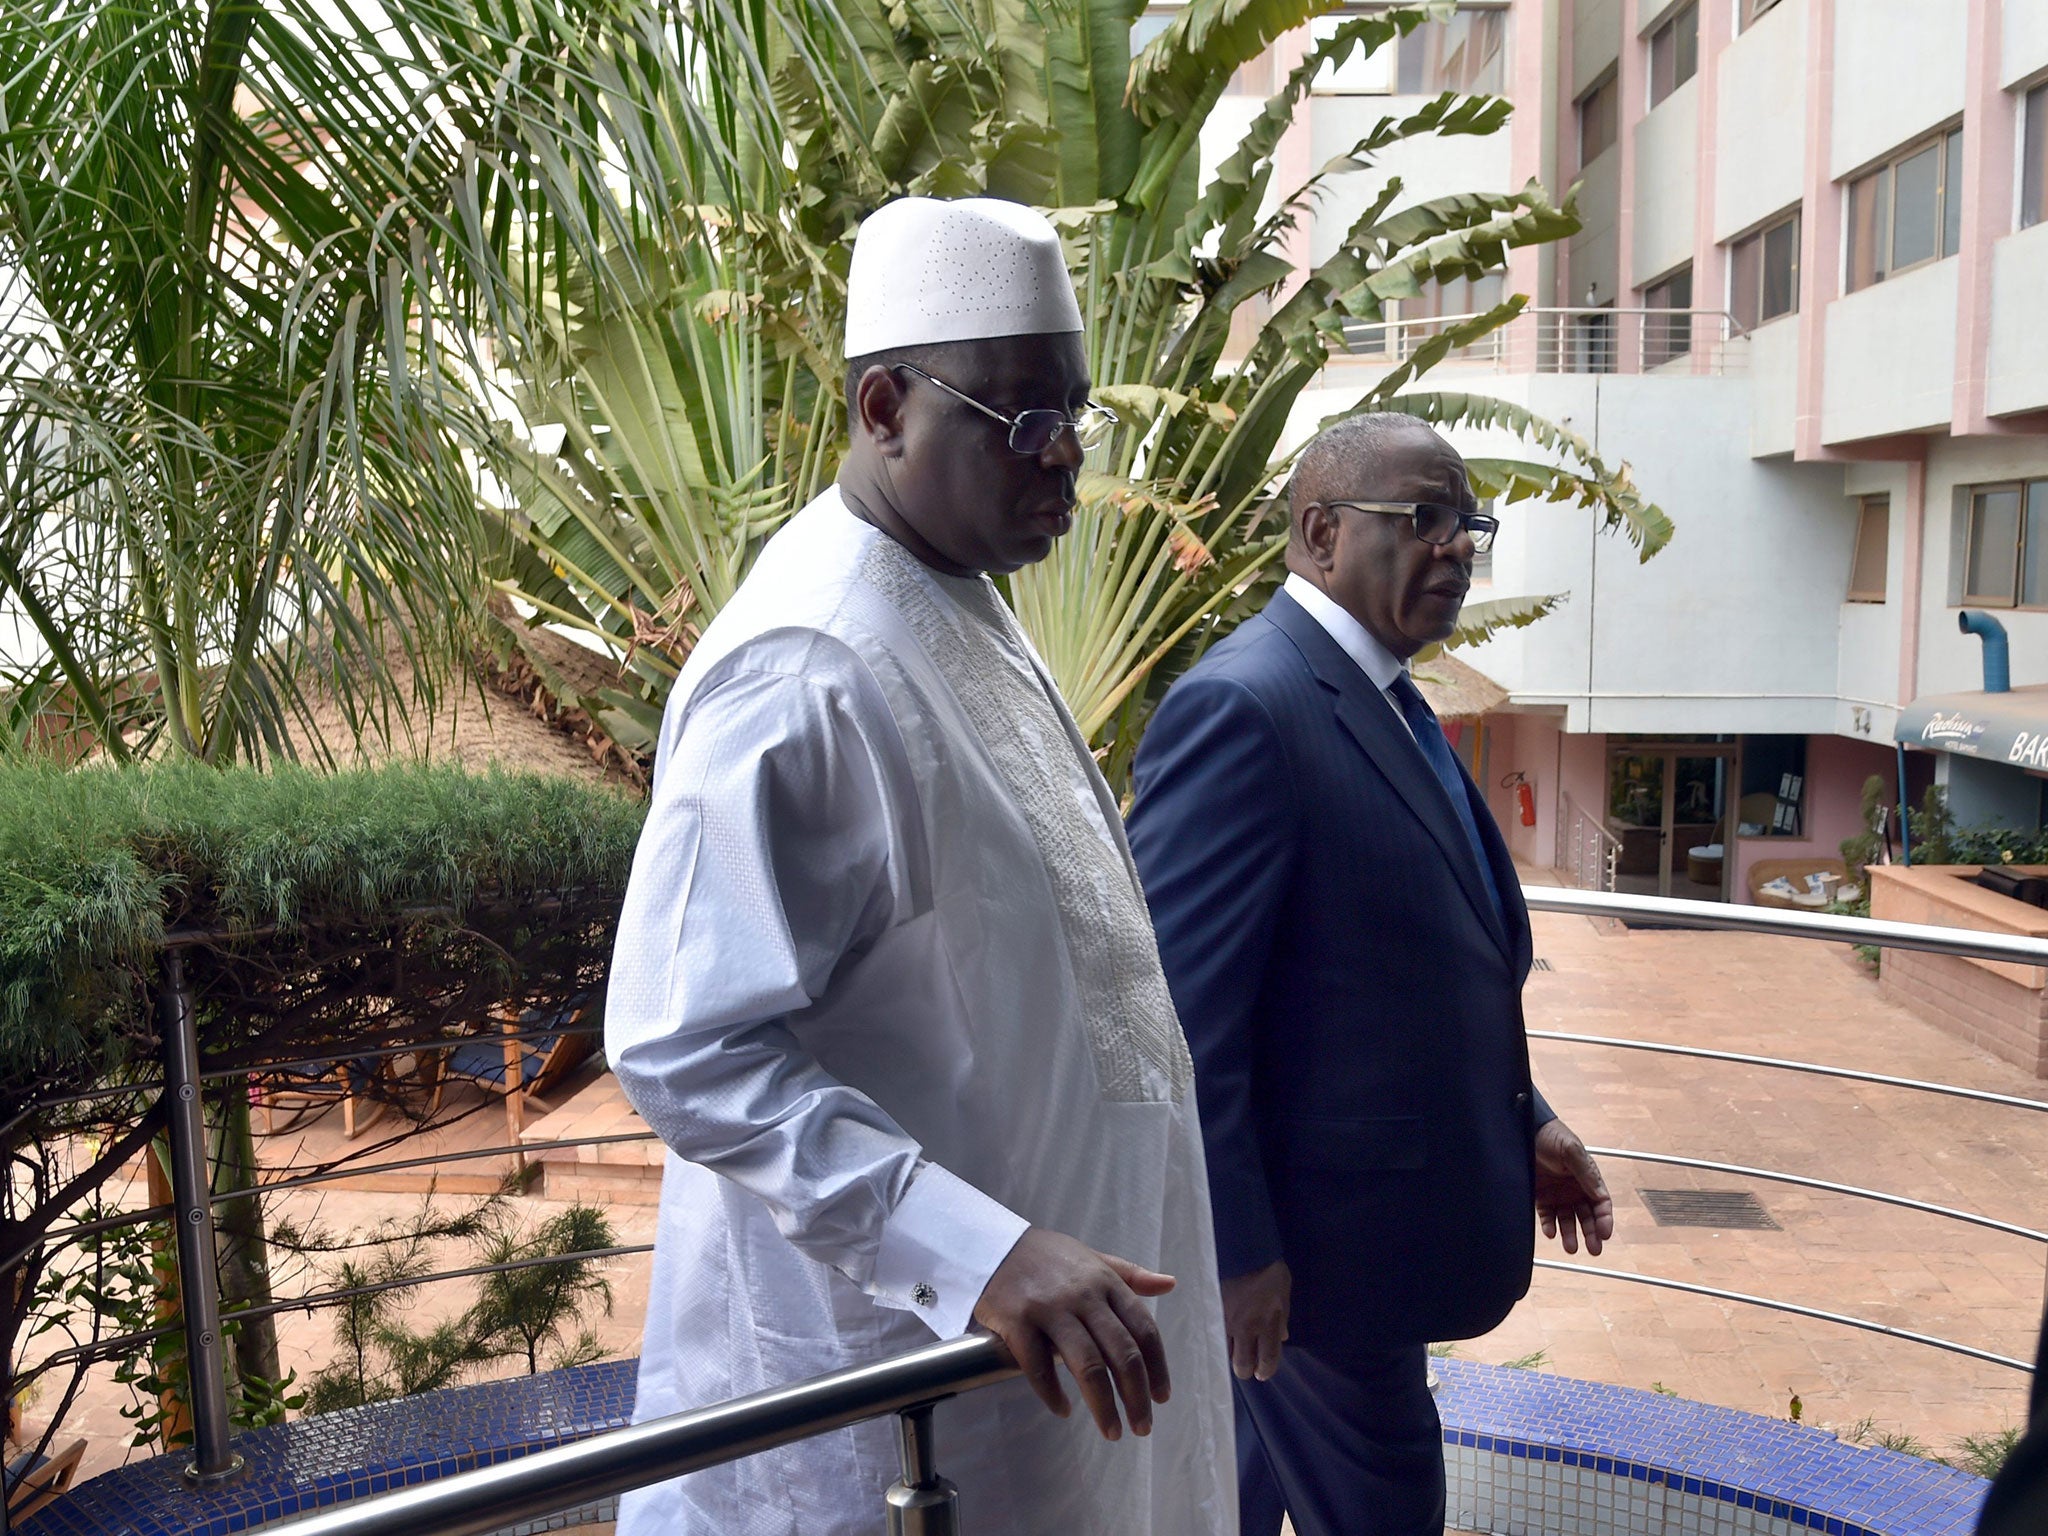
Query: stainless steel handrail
x=1830, y=926
x=570, y=1476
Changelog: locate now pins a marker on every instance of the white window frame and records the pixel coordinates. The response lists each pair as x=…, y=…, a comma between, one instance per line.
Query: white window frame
x=1948, y=177
x=2024, y=488
x=1793, y=215
x=1749, y=12
x=1880, y=502
x=2024, y=97
x=1649, y=45
x=1610, y=82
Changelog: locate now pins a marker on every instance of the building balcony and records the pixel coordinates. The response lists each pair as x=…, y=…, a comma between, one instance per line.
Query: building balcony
x=1686, y=342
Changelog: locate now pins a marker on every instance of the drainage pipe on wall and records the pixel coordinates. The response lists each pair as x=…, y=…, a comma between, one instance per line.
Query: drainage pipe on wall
x=1997, y=653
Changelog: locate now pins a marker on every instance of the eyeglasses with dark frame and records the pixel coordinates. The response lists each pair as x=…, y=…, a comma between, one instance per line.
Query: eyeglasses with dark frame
x=1435, y=523
x=1034, y=431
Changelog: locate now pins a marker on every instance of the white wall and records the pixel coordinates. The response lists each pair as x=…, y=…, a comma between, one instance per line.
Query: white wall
x=1868, y=676
x=1222, y=131
x=1429, y=166
x=1733, y=628
x=2017, y=375
x=1667, y=172
x=1595, y=249
x=1898, y=73
x=1950, y=661
x=1596, y=41
x=1760, y=121
x=1774, y=386
x=2026, y=40
x=1891, y=356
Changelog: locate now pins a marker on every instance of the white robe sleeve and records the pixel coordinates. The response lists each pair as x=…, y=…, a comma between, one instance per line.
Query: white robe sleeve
x=765, y=861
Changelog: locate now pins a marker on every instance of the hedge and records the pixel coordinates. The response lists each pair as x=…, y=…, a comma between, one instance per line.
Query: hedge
x=97, y=864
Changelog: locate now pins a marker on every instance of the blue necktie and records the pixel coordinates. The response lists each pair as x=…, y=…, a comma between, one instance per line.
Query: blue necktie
x=1429, y=736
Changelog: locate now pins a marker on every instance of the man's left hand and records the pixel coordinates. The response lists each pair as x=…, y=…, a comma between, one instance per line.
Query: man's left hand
x=1571, y=1197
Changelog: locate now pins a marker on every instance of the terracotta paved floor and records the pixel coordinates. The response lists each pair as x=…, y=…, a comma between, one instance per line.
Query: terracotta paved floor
x=1811, y=1002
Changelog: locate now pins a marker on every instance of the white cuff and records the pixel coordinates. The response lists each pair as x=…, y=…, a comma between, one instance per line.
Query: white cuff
x=939, y=1247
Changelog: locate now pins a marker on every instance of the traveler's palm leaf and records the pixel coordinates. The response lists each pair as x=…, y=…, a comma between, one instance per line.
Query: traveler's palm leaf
x=685, y=434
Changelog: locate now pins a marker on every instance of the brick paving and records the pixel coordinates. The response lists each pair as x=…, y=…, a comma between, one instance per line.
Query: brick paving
x=1811, y=1002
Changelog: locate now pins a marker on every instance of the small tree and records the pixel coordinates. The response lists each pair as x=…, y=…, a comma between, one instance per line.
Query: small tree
x=1861, y=851
x=523, y=1311
x=520, y=1313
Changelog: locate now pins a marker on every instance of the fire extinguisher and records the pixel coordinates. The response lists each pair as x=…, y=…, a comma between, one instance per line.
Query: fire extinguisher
x=1525, y=797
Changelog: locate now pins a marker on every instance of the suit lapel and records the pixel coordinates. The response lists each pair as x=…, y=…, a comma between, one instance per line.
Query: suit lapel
x=1380, y=732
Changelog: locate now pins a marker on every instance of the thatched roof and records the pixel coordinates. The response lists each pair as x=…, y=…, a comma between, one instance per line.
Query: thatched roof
x=1457, y=690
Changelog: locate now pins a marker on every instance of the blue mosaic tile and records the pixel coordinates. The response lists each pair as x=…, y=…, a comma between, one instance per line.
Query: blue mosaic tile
x=1803, y=1476
x=313, y=1463
x=1654, y=1445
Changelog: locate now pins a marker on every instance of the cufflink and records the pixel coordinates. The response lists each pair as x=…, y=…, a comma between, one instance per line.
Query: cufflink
x=924, y=1295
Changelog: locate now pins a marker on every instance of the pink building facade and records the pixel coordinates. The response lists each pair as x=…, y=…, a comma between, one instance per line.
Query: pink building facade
x=1809, y=305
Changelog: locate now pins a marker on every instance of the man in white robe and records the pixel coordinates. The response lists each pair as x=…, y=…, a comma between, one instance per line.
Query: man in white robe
x=885, y=981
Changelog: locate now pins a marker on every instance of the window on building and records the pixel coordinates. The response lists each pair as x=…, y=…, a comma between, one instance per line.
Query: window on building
x=1599, y=113
x=2005, y=564
x=1413, y=317
x=1674, y=51
x=1467, y=53
x=1361, y=74
x=1668, y=335
x=2034, y=157
x=1906, y=212
x=1750, y=10
x=1592, y=343
x=1868, y=571
x=1773, y=798
x=1455, y=296
x=1763, y=273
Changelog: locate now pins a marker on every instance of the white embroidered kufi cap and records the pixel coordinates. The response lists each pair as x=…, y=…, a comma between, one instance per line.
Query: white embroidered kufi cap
x=929, y=270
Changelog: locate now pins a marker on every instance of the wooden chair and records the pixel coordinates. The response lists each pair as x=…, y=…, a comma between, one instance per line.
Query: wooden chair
x=352, y=1084
x=522, y=1069
x=34, y=1478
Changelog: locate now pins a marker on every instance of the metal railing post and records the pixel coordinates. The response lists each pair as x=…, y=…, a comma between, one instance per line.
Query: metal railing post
x=924, y=1503
x=192, y=1203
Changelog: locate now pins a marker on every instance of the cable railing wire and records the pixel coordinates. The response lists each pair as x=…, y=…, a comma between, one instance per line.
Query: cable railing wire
x=1786, y=1064
x=1793, y=1307
x=1925, y=1207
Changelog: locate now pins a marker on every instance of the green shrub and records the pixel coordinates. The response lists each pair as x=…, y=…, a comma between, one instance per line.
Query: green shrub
x=97, y=864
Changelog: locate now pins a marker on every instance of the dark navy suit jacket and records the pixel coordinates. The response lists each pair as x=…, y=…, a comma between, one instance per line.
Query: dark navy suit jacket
x=1351, y=996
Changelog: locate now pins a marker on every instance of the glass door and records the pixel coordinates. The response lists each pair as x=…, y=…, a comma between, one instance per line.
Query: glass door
x=1696, y=833
x=1669, y=808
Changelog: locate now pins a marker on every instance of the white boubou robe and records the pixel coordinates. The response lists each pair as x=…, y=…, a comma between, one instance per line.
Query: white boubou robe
x=886, y=985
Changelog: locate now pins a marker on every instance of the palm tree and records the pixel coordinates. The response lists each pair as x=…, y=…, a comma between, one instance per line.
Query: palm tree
x=220, y=226
x=229, y=481
x=679, y=393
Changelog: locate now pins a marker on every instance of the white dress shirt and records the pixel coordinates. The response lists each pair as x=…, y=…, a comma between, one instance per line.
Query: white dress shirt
x=1374, y=660
x=886, y=985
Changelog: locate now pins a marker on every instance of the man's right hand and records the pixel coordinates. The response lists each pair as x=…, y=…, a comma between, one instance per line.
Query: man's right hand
x=1057, y=1299
x=1255, y=1318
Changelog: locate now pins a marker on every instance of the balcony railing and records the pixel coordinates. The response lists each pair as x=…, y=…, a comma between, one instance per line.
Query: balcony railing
x=1588, y=855
x=1697, y=341
x=922, y=1503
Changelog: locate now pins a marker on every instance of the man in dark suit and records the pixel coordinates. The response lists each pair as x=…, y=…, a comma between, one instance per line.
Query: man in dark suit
x=1345, y=939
